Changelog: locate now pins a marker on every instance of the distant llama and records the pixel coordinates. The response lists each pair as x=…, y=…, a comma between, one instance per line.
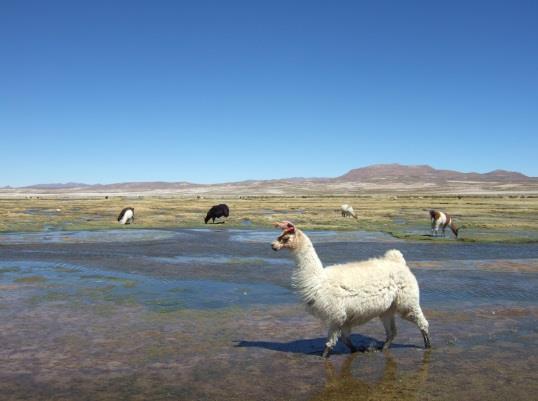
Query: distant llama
x=216, y=212
x=441, y=219
x=126, y=216
x=347, y=211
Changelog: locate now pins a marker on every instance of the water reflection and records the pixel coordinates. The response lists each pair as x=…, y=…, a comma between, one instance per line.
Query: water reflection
x=341, y=384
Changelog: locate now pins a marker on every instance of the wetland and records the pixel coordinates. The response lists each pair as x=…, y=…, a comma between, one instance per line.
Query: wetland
x=172, y=309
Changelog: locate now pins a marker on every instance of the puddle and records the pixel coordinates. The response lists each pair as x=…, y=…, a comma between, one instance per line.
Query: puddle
x=474, y=233
x=267, y=236
x=42, y=212
x=49, y=236
x=71, y=281
x=455, y=289
x=223, y=260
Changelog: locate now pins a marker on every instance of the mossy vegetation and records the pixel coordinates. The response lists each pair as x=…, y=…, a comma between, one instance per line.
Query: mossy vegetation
x=31, y=280
x=482, y=218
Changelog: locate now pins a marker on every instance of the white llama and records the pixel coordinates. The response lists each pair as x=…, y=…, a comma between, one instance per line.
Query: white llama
x=347, y=211
x=350, y=294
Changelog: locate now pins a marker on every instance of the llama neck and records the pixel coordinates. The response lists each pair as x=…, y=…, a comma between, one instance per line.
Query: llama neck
x=307, y=278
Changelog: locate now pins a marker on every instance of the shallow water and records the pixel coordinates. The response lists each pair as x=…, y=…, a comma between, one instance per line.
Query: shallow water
x=83, y=284
x=210, y=314
x=477, y=234
x=265, y=236
x=48, y=236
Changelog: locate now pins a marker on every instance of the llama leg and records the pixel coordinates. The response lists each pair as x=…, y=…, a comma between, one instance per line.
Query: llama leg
x=416, y=316
x=346, y=337
x=390, y=328
x=332, y=339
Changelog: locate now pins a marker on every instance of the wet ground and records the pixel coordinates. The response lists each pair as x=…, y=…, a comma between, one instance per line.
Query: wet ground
x=210, y=315
x=423, y=232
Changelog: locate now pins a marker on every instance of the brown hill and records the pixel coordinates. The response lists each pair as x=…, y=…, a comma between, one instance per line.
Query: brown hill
x=426, y=174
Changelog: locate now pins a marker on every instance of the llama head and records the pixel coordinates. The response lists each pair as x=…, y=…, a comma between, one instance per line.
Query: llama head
x=288, y=238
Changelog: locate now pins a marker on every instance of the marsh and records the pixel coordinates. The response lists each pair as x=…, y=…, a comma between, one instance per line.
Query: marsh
x=494, y=218
x=201, y=314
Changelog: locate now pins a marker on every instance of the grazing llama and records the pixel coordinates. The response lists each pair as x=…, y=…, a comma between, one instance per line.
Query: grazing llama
x=217, y=211
x=347, y=211
x=126, y=216
x=350, y=294
x=440, y=219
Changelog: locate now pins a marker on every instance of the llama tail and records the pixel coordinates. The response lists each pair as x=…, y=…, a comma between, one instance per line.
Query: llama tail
x=395, y=255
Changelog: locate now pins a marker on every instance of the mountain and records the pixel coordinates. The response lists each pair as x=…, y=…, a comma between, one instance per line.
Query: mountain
x=379, y=178
x=425, y=173
x=67, y=185
x=148, y=185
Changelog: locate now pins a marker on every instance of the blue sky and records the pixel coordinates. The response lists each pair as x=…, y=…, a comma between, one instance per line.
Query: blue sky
x=213, y=91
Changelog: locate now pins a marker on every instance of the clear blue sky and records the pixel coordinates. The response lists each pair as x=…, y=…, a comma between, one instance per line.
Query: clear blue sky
x=213, y=91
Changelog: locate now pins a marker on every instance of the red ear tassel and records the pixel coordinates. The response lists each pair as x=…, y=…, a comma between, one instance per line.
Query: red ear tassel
x=286, y=226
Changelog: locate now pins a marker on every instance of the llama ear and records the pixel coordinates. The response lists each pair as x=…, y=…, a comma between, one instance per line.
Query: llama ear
x=286, y=226
x=291, y=228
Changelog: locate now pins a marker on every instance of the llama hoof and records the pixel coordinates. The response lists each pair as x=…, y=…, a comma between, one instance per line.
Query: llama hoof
x=427, y=342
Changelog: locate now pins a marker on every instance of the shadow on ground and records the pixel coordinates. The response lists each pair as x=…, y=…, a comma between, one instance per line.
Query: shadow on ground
x=315, y=346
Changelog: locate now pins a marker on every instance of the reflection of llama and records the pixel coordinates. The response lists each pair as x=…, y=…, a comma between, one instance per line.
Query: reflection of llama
x=440, y=219
x=347, y=295
x=347, y=211
x=390, y=386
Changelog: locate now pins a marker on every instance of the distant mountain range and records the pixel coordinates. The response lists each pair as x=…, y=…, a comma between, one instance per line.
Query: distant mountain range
x=424, y=173
x=375, y=178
